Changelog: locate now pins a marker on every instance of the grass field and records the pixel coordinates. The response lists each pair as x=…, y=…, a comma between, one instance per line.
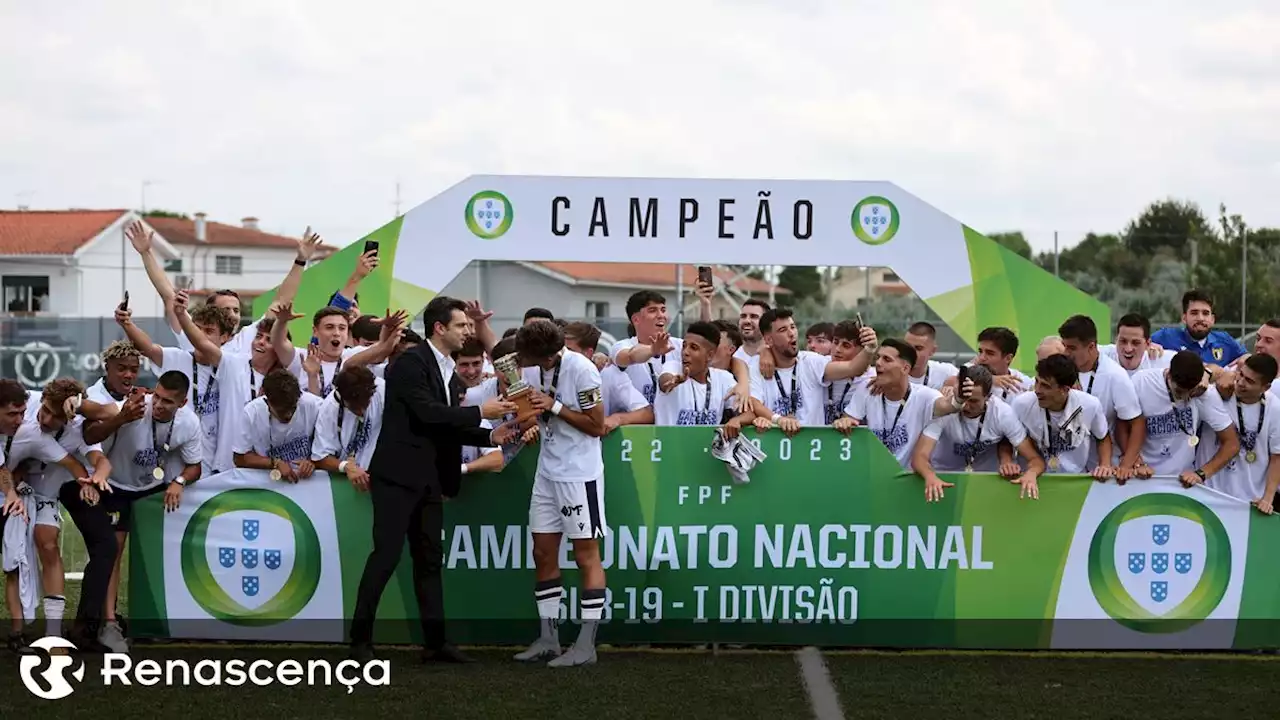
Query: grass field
x=665, y=684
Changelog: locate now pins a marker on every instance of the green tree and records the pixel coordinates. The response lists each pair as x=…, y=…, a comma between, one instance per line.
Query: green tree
x=167, y=214
x=1016, y=242
x=804, y=282
x=1170, y=224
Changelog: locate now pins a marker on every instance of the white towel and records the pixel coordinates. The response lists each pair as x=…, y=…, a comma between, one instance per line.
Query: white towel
x=738, y=454
x=20, y=556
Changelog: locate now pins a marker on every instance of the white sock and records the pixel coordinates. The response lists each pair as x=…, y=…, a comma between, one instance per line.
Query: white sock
x=54, y=605
x=548, y=593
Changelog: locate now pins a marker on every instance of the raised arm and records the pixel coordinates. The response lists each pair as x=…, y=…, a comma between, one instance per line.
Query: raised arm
x=388, y=339
x=207, y=351
x=308, y=244
x=280, y=342
x=480, y=318
x=140, y=340
x=141, y=238
x=364, y=267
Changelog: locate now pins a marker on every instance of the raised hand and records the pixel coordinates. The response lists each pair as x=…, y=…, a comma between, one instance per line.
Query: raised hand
x=368, y=263
x=139, y=236
x=476, y=313
x=284, y=312
x=308, y=245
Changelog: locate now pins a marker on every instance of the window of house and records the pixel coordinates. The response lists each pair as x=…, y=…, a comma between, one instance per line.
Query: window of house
x=26, y=293
x=597, y=310
x=173, y=266
x=891, y=277
x=228, y=264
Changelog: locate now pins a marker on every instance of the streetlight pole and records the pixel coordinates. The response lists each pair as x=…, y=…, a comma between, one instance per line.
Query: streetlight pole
x=1244, y=277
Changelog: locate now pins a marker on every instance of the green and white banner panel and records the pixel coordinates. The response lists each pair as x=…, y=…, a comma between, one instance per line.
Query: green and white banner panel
x=829, y=543
x=970, y=281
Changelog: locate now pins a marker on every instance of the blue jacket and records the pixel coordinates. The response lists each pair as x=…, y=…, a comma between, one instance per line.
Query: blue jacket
x=1218, y=349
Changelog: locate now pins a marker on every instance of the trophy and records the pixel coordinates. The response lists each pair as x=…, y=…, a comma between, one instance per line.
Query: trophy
x=518, y=391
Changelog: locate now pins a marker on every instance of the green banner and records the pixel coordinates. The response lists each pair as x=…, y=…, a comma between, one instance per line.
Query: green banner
x=829, y=543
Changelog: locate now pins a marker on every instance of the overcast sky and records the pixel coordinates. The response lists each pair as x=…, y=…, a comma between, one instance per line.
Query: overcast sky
x=1007, y=115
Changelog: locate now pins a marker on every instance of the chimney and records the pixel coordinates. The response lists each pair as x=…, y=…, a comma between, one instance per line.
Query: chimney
x=202, y=231
x=249, y=223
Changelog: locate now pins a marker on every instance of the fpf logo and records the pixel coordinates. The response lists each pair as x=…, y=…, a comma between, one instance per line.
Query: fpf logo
x=874, y=220
x=489, y=214
x=50, y=682
x=1158, y=536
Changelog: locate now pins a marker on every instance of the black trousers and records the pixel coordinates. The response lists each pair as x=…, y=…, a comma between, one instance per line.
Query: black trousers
x=400, y=514
x=94, y=525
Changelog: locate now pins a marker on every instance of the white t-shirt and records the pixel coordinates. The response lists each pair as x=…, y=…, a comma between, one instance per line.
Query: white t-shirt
x=1241, y=478
x=798, y=391
x=1171, y=426
x=836, y=395
x=694, y=403
x=205, y=399
x=898, y=423
x=264, y=435
x=1275, y=387
x=620, y=394
x=1114, y=390
x=30, y=443
x=1068, y=435
x=135, y=453
x=958, y=438
x=645, y=375
x=567, y=454
x=742, y=354
x=43, y=477
x=239, y=384
x=936, y=374
x=329, y=369
x=485, y=391
x=1162, y=362
x=357, y=436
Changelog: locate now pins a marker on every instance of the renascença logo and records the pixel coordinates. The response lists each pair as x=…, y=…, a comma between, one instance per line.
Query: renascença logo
x=1147, y=549
x=489, y=214
x=874, y=220
x=50, y=683
x=253, y=557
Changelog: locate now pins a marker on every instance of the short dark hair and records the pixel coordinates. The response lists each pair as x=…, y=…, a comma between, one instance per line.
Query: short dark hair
x=731, y=330
x=539, y=340
x=560, y=322
x=222, y=293
x=1196, y=295
x=510, y=332
x=366, y=328
x=1059, y=368
x=905, y=351
x=1080, y=328
x=924, y=329
x=705, y=330
x=175, y=381
x=846, y=330
x=329, y=311
x=410, y=336
x=771, y=316
x=1138, y=321
x=281, y=388
x=440, y=310
x=1002, y=338
x=57, y=391
x=471, y=347
x=1186, y=369
x=505, y=347
x=537, y=312
x=820, y=329
x=981, y=377
x=764, y=306
x=1273, y=323
x=12, y=392
x=354, y=385
x=216, y=316
x=1264, y=365
x=641, y=299
x=583, y=333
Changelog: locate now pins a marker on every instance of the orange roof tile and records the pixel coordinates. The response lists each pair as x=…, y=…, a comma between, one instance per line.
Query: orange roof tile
x=180, y=231
x=652, y=275
x=51, y=232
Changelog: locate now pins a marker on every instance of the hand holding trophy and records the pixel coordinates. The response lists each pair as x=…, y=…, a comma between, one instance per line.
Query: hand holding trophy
x=518, y=391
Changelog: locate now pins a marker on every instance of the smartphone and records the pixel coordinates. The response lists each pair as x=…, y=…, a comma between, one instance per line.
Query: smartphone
x=315, y=340
x=370, y=246
x=125, y=305
x=960, y=378
x=704, y=275
x=857, y=321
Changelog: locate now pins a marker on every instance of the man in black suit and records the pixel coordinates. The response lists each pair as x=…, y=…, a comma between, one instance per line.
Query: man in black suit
x=416, y=465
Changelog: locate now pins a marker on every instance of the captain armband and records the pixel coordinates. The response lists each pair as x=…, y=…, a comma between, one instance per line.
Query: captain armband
x=589, y=398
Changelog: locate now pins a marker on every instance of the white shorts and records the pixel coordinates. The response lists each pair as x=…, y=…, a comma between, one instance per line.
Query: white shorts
x=575, y=509
x=48, y=512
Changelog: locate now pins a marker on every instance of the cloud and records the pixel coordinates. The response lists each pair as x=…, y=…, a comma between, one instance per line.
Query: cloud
x=1034, y=115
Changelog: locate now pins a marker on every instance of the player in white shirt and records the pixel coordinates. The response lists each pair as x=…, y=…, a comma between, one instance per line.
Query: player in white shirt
x=568, y=490
x=1133, y=349
x=348, y=425
x=847, y=346
x=623, y=403
x=997, y=347
x=730, y=342
x=1067, y=425
x=1107, y=381
x=923, y=337
x=642, y=356
x=278, y=429
x=158, y=446
x=819, y=338
x=967, y=441
x=1255, y=412
x=1176, y=402
x=901, y=411
x=1268, y=343
x=749, y=326
x=701, y=395
x=217, y=326
x=795, y=393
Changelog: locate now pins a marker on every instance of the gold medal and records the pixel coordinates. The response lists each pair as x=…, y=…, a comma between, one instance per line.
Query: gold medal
x=968, y=468
x=1053, y=463
x=275, y=475
x=1251, y=457
x=1193, y=441
x=158, y=473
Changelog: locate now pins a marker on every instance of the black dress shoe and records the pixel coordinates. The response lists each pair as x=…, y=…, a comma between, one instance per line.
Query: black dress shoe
x=446, y=654
x=361, y=653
